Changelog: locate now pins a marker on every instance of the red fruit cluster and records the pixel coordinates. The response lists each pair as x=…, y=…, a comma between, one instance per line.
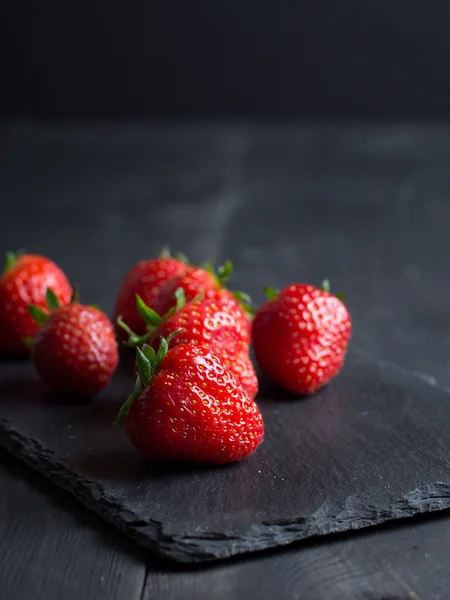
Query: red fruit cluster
x=194, y=400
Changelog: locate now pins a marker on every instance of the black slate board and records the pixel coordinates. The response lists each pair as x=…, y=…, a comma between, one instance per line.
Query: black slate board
x=365, y=207
x=368, y=449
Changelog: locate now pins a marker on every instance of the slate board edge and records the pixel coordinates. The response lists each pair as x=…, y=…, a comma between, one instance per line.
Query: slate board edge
x=207, y=546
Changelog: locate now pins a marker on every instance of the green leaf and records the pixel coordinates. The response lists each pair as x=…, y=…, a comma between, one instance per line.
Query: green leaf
x=134, y=340
x=208, y=265
x=129, y=401
x=28, y=341
x=242, y=297
x=95, y=306
x=173, y=334
x=38, y=314
x=180, y=298
x=200, y=296
x=326, y=285
x=149, y=353
x=182, y=258
x=162, y=351
x=248, y=308
x=147, y=314
x=52, y=300
x=9, y=262
x=144, y=367
x=271, y=293
x=224, y=272
x=340, y=297
x=165, y=252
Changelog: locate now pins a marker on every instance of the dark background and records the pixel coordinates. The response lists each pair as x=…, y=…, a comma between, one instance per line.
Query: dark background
x=254, y=58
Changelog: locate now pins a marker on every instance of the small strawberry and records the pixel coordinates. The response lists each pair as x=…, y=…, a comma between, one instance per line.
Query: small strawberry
x=300, y=337
x=75, y=349
x=212, y=323
x=188, y=407
x=25, y=281
x=205, y=283
x=145, y=279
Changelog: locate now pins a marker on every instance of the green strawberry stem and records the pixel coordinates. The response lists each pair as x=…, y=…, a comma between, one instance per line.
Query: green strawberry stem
x=148, y=363
x=166, y=253
x=134, y=340
x=151, y=319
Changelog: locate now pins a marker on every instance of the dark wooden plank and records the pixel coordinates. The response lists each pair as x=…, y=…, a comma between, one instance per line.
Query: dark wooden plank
x=54, y=549
x=408, y=562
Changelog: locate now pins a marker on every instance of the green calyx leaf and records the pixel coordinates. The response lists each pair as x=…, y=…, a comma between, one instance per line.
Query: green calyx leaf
x=130, y=400
x=209, y=266
x=326, y=285
x=245, y=301
x=149, y=316
x=38, y=315
x=180, y=301
x=148, y=363
x=224, y=272
x=327, y=288
x=165, y=252
x=134, y=340
x=182, y=258
x=52, y=300
x=144, y=367
x=10, y=261
x=28, y=341
x=271, y=293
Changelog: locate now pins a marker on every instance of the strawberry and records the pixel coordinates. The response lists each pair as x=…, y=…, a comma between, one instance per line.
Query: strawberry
x=215, y=324
x=75, y=349
x=300, y=337
x=24, y=281
x=145, y=279
x=205, y=283
x=188, y=407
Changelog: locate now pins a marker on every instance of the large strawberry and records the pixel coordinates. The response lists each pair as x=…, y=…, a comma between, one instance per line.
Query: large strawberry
x=145, y=279
x=205, y=283
x=188, y=407
x=75, y=349
x=25, y=281
x=300, y=337
x=212, y=323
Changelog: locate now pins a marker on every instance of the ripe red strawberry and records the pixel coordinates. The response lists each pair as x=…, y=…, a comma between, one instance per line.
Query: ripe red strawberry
x=75, y=349
x=300, y=337
x=240, y=365
x=188, y=407
x=205, y=283
x=145, y=279
x=212, y=323
x=25, y=281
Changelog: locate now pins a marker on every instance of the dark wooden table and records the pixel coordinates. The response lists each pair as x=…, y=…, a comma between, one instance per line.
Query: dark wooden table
x=395, y=180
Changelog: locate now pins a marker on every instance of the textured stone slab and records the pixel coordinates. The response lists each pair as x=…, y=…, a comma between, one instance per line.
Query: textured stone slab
x=368, y=449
